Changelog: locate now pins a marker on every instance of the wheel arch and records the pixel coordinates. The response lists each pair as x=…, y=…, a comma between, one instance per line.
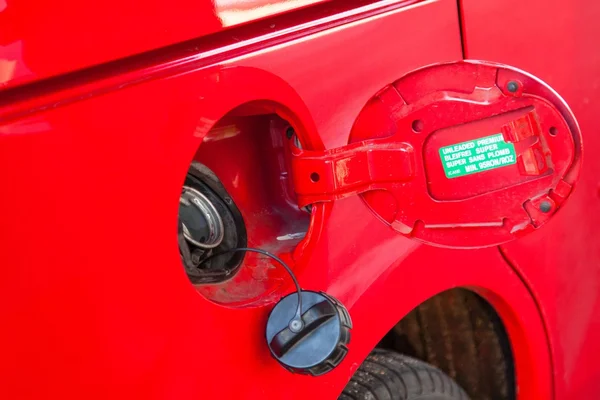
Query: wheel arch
x=425, y=273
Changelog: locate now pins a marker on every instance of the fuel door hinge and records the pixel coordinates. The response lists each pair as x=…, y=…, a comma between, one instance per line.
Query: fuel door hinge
x=321, y=176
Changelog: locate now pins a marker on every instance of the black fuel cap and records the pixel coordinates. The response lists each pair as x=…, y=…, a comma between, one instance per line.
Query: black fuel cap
x=320, y=344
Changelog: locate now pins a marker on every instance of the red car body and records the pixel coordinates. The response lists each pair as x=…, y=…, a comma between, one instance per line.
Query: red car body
x=104, y=106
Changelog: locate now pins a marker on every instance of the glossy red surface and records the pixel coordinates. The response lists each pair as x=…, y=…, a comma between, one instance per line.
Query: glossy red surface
x=95, y=302
x=40, y=39
x=560, y=263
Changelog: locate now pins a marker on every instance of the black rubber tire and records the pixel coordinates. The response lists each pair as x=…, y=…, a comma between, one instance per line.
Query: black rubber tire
x=460, y=333
x=387, y=375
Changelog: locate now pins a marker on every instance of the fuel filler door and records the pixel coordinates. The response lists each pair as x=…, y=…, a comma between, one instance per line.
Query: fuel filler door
x=467, y=154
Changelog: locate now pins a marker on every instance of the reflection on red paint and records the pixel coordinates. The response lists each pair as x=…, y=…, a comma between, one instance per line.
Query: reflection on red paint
x=235, y=12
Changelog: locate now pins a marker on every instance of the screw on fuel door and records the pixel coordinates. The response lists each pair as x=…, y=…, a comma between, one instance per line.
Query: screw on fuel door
x=472, y=154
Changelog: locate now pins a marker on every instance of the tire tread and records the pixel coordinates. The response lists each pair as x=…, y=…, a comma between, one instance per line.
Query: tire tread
x=387, y=375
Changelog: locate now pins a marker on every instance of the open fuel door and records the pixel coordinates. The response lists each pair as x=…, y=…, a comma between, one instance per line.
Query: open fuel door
x=466, y=154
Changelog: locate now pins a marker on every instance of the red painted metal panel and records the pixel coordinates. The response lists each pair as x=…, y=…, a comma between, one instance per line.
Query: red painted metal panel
x=92, y=287
x=39, y=39
x=557, y=41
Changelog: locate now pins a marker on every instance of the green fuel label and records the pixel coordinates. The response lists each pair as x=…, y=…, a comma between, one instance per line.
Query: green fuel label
x=477, y=155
